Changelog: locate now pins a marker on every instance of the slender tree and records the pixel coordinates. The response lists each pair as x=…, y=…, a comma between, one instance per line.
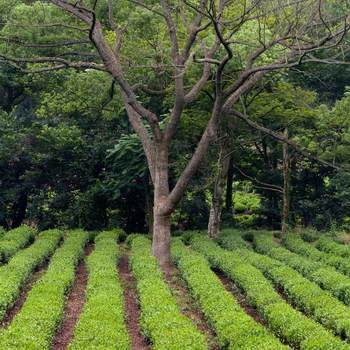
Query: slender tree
x=227, y=46
x=286, y=184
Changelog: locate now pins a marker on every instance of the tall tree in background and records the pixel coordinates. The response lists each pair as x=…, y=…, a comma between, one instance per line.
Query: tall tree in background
x=226, y=46
x=286, y=183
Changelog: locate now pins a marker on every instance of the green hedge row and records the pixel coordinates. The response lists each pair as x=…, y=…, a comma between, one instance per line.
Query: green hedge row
x=286, y=322
x=307, y=295
x=35, y=326
x=14, y=240
x=297, y=245
x=14, y=274
x=233, y=240
x=101, y=324
x=326, y=277
x=234, y=328
x=328, y=245
x=161, y=319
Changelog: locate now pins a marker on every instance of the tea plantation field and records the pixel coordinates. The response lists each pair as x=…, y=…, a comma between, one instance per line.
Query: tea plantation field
x=80, y=290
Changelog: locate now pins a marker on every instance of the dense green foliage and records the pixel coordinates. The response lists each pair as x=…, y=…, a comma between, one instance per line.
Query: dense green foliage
x=161, y=319
x=101, y=324
x=69, y=158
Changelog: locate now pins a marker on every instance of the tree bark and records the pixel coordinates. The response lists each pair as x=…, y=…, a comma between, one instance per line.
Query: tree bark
x=161, y=238
x=219, y=188
x=286, y=171
x=229, y=186
x=161, y=212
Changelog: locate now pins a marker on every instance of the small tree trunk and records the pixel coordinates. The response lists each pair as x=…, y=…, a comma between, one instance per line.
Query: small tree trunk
x=286, y=171
x=219, y=188
x=229, y=187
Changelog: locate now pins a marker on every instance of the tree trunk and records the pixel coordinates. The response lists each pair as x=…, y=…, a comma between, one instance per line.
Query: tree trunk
x=161, y=238
x=161, y=214
x=219, y=188
x=286, y=171
x=229, y=187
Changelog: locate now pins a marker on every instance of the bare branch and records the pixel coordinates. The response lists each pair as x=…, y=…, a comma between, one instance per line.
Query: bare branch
x=63, y=62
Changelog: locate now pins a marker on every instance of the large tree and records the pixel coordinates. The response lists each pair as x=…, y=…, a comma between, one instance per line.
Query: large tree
x=179, y=51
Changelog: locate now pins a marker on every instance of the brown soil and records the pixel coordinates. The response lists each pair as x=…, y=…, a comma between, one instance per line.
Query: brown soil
x=187, y=306
x=240, y=297
x=74, y=305
x=132, y=310
x=16, y=308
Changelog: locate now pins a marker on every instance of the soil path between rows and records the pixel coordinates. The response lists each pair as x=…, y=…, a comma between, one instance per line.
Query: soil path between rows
x=188, y=307
x=131, y=306
x=74, y=305
x=240, y=297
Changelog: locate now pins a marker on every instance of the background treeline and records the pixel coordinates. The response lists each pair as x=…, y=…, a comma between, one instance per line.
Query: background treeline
x=68, y=156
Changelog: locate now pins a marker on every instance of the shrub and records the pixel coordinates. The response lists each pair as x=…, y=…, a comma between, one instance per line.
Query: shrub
x=14, y=240
x=17, y=271
x=233, y=239
x=328, y=245
x=234, y=328
x=101, y=324
x=288, y=323
x=326, y=277
x=305, y=294
x=161, y=319
x=35, y=326
x=310, y=234
x=297, y=245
